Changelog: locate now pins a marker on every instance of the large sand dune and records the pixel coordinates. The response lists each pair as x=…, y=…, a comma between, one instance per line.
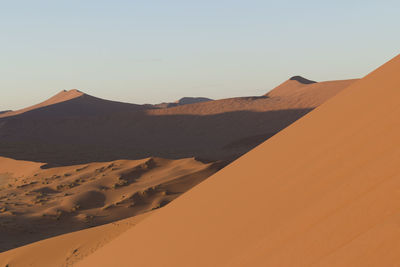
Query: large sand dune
x=58, y=98
x=75, y=128
x=73, y=102
x=323, y=192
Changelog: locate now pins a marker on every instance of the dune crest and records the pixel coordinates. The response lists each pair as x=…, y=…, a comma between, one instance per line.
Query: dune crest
x=58, y=98
x=323, y=192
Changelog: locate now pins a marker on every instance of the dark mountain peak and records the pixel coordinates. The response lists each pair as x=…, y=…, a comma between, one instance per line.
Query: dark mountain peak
x=191, y=100
x=302, y=80
x=183, y=101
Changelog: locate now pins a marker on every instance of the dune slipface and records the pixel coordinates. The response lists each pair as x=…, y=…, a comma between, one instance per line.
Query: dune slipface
x=323, y=192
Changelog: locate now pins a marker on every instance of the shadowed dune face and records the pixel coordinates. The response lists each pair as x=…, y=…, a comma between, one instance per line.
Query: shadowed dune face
x=36, y=204
x=323, y=192
x=86, y=129
x=136, y=135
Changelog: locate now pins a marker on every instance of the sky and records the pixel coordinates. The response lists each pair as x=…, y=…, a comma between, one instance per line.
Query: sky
x=156, y=50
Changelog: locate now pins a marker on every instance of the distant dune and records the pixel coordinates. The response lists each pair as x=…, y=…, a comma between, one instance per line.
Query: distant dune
x=183, y=101
x=58, y=98
x=37, y=204
x=72, y=103
x=323, y=192
x=75, y=128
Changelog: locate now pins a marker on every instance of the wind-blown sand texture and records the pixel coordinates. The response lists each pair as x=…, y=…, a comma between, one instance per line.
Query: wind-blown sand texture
x=67, y=249
x=37, y=204
x=86, y=129
x=323, y=192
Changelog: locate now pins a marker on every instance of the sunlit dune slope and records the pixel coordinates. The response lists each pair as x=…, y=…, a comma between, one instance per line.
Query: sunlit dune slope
x=323, y=192
x=67, y=249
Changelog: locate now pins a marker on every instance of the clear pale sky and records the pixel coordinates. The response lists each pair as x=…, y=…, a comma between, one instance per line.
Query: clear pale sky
x=153, y=51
